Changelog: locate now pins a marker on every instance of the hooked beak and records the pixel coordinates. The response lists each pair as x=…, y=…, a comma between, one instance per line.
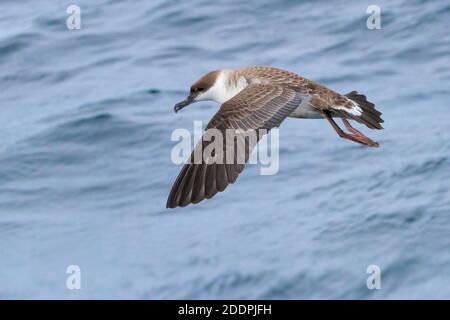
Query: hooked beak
x=184, y=103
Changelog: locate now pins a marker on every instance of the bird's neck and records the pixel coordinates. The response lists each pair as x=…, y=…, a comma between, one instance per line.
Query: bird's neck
x=228, y=84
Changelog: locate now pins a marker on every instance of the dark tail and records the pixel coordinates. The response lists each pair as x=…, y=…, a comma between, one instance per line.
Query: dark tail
x=370, y=116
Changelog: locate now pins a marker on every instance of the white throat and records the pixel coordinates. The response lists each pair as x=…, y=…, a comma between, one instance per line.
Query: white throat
x=223, y=89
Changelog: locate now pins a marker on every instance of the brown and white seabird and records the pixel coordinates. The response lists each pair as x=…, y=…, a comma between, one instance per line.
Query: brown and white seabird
x=260, y=98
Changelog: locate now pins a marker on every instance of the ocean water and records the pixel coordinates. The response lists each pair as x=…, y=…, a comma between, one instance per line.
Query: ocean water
x=85, y=125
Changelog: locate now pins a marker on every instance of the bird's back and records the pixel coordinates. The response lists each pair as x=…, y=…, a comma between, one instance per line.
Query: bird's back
x=281, y=77
x=317, y=98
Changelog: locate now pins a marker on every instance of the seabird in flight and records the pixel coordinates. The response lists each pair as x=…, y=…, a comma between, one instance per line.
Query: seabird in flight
x=257, y=98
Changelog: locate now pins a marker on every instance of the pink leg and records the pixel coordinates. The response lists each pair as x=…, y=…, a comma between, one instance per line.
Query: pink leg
x=359, y=135
x=355, y=135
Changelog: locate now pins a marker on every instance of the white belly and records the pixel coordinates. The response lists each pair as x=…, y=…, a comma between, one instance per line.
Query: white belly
x=306, y=111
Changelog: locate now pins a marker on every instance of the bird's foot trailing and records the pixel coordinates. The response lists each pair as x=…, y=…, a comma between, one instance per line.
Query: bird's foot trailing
x=360, y=137
x=353, y=135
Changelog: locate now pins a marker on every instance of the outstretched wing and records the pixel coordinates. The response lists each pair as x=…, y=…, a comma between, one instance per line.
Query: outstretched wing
x=255, y=108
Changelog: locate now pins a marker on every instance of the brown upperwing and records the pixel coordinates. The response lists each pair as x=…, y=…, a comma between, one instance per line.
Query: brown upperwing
x=322, y=98
x=258, y=106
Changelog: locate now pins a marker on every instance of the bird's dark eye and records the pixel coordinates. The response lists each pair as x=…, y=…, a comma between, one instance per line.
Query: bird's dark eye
x=197, y=89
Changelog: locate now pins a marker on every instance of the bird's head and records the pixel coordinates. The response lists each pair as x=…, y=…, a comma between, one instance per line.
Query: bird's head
x=205, y=88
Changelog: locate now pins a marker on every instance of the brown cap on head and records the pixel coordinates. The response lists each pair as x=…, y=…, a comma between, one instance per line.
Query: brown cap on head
x=204, y=83
x=200, y=86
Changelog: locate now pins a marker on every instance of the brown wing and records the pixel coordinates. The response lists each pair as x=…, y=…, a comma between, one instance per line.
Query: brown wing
x=258, y=108
x=353, y=105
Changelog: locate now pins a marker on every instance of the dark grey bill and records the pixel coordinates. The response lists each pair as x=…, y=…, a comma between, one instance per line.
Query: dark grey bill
x=184, y=103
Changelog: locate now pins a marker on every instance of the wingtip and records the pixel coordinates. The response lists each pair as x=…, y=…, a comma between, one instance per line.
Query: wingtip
x=169, y=204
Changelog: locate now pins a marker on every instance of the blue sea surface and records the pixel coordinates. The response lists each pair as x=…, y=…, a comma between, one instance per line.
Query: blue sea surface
x=86, y=118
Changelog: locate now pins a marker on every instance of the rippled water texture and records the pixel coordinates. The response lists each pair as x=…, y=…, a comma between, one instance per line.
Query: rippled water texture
x=86, y=118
